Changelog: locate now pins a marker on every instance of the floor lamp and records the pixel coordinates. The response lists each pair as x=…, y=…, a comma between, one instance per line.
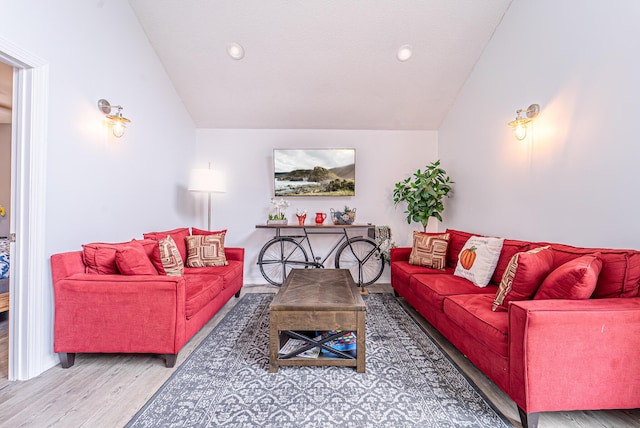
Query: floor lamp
x=208, y=181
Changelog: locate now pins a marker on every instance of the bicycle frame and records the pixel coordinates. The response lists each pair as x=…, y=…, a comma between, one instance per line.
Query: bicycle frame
x=356, y=252
x=316, y=262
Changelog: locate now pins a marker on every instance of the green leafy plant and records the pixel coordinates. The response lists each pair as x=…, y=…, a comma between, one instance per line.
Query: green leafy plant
x=424, y=193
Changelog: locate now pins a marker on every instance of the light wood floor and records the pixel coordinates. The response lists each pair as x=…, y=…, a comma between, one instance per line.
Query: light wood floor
x=107, y=390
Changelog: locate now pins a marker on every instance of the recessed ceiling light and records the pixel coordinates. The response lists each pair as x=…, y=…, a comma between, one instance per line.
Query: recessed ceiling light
x=404, y=53
x=235, y=51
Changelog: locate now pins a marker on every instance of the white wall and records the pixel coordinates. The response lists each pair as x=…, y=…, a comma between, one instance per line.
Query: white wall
x=5, y=177
x=575, y=180
x=100, y=188
x=245, y=157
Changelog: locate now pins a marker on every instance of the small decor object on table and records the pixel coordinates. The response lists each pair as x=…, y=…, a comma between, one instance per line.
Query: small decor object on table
x=302, y=216
x=320, y=218
x=278, y=217
x=346, y=216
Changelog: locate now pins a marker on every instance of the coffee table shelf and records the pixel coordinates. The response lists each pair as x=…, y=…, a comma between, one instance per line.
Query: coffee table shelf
x=317, y=300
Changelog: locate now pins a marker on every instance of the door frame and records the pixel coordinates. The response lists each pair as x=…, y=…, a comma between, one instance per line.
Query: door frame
x=30, y=312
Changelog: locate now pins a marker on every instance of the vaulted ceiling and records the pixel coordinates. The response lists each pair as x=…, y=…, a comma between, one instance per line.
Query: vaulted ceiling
x=327, y=64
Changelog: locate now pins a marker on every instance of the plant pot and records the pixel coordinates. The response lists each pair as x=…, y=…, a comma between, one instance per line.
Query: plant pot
x=281, y=222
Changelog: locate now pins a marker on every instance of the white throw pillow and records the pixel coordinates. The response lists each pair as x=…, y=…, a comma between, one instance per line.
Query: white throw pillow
x=478, y=259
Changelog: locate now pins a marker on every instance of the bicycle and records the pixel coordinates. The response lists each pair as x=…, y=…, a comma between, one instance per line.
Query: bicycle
x=359, y=254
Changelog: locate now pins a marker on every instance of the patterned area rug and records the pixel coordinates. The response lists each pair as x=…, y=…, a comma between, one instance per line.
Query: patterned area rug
x=409, y=382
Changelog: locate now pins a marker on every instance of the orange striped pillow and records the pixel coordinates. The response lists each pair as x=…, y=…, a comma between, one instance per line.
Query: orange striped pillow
x=429, y=250
x=170, y=257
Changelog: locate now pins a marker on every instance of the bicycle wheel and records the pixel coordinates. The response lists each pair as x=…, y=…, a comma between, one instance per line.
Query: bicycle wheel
x=278, y=257
x=362, y=257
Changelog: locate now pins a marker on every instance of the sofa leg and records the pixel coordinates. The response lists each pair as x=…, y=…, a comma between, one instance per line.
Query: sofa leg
x=237, y=294
x=395, y=293
x=170, y=360
x=528, y=420
x=67, y=359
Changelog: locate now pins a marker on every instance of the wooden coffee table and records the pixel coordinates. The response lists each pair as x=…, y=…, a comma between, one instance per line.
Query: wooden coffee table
x=317, y=300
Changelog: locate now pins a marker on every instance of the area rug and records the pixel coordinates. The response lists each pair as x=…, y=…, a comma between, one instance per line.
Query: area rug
x=409, y=382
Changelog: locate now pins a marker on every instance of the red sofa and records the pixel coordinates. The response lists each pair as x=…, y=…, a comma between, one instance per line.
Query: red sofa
x=547, y=355
x=100, y=310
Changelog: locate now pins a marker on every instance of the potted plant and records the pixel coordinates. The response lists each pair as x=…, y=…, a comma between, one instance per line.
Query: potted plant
x=278, y=217
x=424, y=193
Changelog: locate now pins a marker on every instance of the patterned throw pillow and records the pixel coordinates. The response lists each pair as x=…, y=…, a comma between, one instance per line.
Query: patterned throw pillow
x=478, y=259
x=170, y=257
x=523, y=276
x=206, y=250
x=429, y=250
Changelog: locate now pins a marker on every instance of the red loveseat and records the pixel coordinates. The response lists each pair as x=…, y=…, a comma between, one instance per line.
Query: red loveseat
x=546, y=354
x=98, y=309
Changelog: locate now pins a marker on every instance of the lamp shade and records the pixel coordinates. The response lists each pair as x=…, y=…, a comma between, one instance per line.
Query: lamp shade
x=206, y=180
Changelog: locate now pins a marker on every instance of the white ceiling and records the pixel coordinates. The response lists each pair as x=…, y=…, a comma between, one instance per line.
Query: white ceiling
x=327, y=64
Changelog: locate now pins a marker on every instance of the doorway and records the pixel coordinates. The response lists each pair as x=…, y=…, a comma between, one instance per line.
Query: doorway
x=6, y=109
x=30, y=329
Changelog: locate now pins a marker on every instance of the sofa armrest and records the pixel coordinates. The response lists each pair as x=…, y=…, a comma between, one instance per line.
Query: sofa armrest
x=574, y=354
x=64, y=265
x=119, y=313
x=400, y=254
x=232, y=253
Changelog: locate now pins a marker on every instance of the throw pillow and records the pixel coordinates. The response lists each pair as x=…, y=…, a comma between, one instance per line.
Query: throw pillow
x=177, y=235
x=100, y=257
x=170, y=257
x=133, y=260
x=206, y=250
x=576, y=279
x=523, y=276
x=429, y=250
x=478, y=259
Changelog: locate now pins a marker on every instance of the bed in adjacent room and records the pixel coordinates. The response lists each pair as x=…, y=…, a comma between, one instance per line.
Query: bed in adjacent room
x=4, y=274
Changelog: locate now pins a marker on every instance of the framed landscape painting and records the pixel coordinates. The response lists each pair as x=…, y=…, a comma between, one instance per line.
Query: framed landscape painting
x=314, y=172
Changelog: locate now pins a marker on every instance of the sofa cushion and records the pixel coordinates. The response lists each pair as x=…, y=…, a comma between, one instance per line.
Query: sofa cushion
x=509, y=248
x=523, y=276
x=473, y=314
x=457, y=239
x=170, y=257
x=574, y=280
x=228, y=273
x=177, y=235
x=100, y=257
x=401, y=271
x=200, y=290
x=429, y=250
x=133, y=260
x=206, y=250
x=196, y=231
x=620, y=274
x=478, y=259
x=433, y=288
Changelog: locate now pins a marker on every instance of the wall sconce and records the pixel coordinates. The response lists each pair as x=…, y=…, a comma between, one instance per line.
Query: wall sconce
x=118, y=122
x=523, y=117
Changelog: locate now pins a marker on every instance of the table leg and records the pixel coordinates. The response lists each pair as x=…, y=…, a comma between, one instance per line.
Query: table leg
x=360, y=343
x=274, y=343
